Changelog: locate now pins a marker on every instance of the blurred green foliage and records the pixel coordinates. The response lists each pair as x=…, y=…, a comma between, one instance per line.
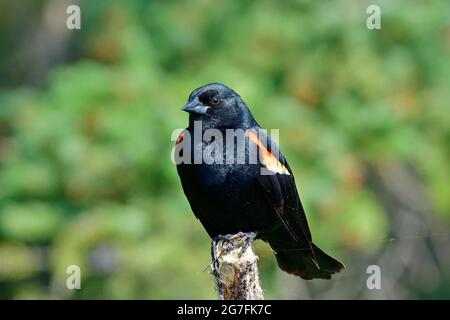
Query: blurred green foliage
x=85, y=160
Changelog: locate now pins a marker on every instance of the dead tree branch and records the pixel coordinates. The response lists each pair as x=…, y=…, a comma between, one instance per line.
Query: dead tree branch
x=234, y=266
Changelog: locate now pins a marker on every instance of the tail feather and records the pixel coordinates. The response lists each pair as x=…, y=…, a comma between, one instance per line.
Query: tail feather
x=308, y=266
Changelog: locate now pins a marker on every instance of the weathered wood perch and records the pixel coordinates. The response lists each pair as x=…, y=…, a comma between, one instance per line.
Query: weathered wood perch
x=234, y=266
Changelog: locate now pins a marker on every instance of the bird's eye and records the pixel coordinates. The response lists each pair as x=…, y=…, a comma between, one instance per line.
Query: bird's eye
x=215, y=101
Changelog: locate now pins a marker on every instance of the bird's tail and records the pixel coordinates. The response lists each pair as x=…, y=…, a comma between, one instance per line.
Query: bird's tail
x=303, y=263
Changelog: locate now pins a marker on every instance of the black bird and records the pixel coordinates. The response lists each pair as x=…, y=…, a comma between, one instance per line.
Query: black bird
x=231, y=197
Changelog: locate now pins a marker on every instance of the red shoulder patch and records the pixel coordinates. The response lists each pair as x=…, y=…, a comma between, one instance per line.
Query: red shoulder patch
x=180, y=137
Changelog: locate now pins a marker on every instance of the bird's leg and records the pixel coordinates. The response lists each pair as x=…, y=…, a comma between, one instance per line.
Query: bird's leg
x=227, y=237
x=214, y=247
x=247, y=240
x=215, y=241
x=242, y=238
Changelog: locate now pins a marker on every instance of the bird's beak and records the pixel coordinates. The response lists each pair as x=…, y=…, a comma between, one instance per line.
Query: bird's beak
x=196, y=107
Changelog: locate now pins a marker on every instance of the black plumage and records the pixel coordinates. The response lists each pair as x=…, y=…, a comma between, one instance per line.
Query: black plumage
x=232, y=197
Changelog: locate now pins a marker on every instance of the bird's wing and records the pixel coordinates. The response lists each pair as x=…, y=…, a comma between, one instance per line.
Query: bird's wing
x=278, y=184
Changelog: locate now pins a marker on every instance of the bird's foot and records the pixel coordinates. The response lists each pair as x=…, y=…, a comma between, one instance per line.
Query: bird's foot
x=240, y=240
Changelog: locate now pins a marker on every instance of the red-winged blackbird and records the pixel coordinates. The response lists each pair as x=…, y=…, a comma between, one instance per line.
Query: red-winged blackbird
x=234, y=196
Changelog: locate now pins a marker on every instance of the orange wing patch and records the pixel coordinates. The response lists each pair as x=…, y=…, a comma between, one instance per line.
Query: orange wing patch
x=267, y=158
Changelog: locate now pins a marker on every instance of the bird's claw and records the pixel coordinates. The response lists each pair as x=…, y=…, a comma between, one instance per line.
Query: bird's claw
x=247, y=241
x=240, y=240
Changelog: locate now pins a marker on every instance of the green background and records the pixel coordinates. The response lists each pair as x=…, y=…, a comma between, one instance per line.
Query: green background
x=86, y=118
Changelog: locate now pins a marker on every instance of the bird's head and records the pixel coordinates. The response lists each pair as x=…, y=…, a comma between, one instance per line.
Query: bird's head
x=216, y=105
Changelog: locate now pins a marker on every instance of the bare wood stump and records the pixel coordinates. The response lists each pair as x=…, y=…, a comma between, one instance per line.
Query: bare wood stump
x=234, y=266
